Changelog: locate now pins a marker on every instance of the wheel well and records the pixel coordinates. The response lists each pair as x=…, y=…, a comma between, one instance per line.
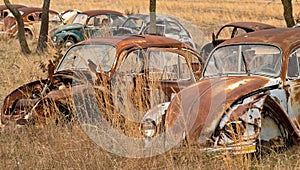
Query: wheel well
x=274, y=135
x=70, y=37
x=28, y=31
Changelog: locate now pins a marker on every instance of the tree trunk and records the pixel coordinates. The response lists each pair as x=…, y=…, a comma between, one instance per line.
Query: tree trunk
x=152, y=9
x=43, y=37
x=21, y=31
x=288, y=12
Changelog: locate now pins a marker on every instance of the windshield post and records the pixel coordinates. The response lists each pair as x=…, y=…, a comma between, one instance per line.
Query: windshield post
x=245, y=63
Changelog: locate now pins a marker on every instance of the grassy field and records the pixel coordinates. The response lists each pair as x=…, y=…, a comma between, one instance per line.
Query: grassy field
x=68, y=147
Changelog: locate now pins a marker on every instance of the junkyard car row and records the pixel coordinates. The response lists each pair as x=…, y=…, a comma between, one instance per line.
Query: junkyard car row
x=241, y=96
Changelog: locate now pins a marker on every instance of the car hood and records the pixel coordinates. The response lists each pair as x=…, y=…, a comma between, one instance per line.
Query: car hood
x=199, y=108
x=69, y=27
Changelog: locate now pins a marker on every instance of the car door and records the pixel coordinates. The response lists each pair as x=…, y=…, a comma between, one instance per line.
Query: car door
x=171, y=69
x=293, y=87
x=147, y=77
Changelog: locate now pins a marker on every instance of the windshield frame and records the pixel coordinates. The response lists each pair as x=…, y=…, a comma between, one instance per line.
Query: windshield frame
x=243, y=62
x=81, y=20
x=90, y=46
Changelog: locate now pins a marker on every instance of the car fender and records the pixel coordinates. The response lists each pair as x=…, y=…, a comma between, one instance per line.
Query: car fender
x=64, y=35
x=27, y=91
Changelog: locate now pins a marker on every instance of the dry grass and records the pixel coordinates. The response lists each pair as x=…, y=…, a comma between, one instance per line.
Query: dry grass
x=68, y=147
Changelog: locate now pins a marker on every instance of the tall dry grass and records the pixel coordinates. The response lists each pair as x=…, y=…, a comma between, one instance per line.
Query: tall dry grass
x=68, y=147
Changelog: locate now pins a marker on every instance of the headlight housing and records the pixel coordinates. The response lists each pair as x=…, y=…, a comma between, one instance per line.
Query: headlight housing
x=149, y=128
x=54, y=38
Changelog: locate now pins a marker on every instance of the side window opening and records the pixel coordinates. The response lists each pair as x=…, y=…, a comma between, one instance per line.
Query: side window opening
x=225, y=33
x=293, y=65
x=133, y=63
x=164, y=65
x=30, y=18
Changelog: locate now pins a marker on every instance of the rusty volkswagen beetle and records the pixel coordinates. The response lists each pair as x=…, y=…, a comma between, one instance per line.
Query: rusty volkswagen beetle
x=32, y=17
x=246, y=102
x=137, y=65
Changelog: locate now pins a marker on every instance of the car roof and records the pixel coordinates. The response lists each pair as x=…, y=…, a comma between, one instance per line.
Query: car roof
x=285, y=38
x=28, y=10
x=98, y=12
x=255, y=26
x=142, y=41
x=159, y=17
x=3, y=7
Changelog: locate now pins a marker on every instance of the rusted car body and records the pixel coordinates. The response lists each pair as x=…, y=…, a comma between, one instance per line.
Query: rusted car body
x=165, y=26
x=231, y=30
x=4, y=12
x=32, y=22
x=247, y=101
x=88, y=24
x=117, y=63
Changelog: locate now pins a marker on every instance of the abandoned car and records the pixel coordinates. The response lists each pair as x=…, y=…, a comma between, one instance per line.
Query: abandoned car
x=165, y=25
x=246, y=102
x=231, y=30
x=137, y=65
x=68, y=15
x=32, y=17
x=88, y=24
x=4, y=11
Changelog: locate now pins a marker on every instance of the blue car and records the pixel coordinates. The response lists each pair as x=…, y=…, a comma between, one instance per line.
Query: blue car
x=88, y=24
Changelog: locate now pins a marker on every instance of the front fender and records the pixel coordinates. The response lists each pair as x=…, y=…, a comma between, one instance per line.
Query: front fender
x=17, y=98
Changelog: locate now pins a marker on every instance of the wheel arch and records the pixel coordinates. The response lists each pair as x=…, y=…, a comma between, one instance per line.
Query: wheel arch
x=277, y=111
x=75, y=37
